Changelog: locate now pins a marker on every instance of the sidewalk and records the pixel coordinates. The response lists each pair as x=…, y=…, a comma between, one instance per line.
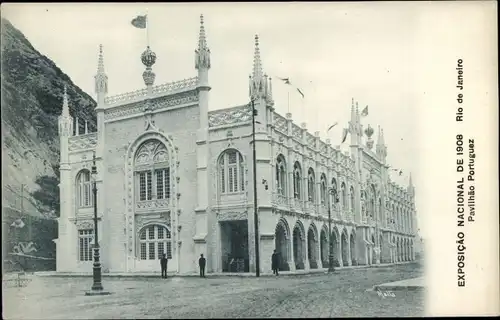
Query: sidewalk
x=209, y=275
x=407, y=284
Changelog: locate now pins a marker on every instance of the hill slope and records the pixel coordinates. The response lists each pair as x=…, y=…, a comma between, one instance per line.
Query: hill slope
x=32, y=90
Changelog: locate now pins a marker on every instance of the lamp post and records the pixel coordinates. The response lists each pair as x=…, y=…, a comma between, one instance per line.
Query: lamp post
x=97, y=288
x=333, y=193
x=255, y=208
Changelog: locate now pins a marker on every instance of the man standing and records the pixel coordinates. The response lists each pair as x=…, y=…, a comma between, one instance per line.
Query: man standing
x=201, y=262
x=275, y=262
x=163, y=263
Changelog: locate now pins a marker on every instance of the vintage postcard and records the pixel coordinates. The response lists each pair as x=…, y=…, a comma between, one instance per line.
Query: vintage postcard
x=249, y=160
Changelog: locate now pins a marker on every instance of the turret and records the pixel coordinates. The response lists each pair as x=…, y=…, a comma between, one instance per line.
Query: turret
x=65, y=128
x=411, y=188
x=202, y=64
x=259, y=89
x=101, y=80
x=381, y=148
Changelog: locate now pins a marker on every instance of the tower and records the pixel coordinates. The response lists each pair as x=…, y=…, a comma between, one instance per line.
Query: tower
x=202, y=64
x=259, y=90
x=101, y=80
x=381, y=148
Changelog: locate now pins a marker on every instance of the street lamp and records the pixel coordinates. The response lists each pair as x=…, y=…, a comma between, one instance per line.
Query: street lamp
x=332, y=192
x=97, y=288
x=255, y=217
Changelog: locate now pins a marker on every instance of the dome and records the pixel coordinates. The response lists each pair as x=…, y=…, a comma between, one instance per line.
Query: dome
x=148, y=57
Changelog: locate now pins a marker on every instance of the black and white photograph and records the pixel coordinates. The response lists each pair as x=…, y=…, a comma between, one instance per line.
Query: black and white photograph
x=249, y=160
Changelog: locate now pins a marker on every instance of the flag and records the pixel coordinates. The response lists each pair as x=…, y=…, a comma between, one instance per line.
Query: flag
x=302, y=94
x=364, y=113
x=344, y=135
x=140, y=22
x=331, y=127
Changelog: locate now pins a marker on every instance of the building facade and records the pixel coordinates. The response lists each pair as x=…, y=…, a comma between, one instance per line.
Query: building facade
x=175, y=178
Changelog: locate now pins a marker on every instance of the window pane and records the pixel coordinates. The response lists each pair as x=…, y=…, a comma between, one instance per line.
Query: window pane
x=159, y=184
x=242, y=180
x=169, y=250
x=231, y=177
x=161, y=249
x=143, y=251
x=222, y=178
x=142, y=236
x=151, y=232
x=231, y=157
x=150, y=185
x=151, y=251
x=142, y=186
x=161, y=232
x=167, y=183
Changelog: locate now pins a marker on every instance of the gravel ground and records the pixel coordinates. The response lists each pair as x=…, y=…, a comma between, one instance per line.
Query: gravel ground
x=342, y=294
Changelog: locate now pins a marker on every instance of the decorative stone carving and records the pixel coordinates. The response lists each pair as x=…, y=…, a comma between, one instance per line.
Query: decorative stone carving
x=230, y=116
x=232, y=216
x=280, y=123
x=83, y=142
x=84, y=224
x=296, y=132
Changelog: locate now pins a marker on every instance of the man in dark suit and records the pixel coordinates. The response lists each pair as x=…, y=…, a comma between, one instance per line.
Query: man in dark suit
x=275, y=262
x=202, y=262
x=163, y=263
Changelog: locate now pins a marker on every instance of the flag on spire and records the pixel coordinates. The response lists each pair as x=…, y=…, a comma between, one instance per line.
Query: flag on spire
x=140, y=21
x=364, y=113
x=301, y=93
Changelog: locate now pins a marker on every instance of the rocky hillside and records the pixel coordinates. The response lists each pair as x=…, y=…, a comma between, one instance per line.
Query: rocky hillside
x=32, y=91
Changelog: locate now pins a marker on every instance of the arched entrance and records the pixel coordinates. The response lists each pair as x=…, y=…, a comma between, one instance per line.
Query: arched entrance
x=282, y=244
x=345, y=248
x=312, y=247
x=374, y=254
x=336, y=246
x=299, y=245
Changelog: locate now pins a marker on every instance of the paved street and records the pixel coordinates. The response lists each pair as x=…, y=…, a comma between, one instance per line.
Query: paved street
x=342, y=294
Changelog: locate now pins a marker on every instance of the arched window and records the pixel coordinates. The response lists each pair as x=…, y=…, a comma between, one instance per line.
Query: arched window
x=310, y=185
x=334, y=190
x=152, y=171
x=84, y=189
x=281, y=175
x=323, y=189
x=344, y=196
x=297, y=177
x=231, y=172
x=154, y=241
x=351, y=195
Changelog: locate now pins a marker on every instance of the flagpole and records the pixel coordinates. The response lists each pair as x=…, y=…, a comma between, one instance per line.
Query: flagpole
x=147, y=28
x=288, y=99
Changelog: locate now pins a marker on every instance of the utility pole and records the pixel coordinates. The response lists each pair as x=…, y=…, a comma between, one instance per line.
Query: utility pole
x=255, y=208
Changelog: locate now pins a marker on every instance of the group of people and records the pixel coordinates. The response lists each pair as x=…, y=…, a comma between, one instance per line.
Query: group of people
x=164, y=263
x=275, y=262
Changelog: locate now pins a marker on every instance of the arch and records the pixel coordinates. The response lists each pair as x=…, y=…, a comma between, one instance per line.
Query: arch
x=381, y=247
x=323, y=188
x=299, y=245
x=297, y=180
x=324, y=246
x=154, y=240
x=343, y=192
x=131, y=204
x=311, y=185
x=231, y=171
x=84, y=194
x=281, y=175
x=335, y=191
x=411, y=250
x=345, y=247
x=282, y=243
x=352, y=198
x=312, y=246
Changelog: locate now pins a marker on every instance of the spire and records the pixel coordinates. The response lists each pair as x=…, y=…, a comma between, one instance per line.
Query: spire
x=381, y=148
x=410, y=183
x=258, y=80
x=101, y=79
x=382, y=140
x=86, y=127
x=257, y=64
x=77, y=127
x=202, y=54
x=65, y=108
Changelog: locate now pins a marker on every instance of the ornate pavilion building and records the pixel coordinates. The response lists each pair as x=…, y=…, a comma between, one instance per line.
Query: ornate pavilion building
x=176, y=178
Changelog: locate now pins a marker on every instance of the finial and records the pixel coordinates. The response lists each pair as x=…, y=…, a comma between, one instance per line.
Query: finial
x=202, y=42
x=100, y=64
x=86, y=127
x=77, y=127
x=65, y=108
x=257, y=64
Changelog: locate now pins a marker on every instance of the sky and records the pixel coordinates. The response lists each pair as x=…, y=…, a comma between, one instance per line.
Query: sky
x=332, y=51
